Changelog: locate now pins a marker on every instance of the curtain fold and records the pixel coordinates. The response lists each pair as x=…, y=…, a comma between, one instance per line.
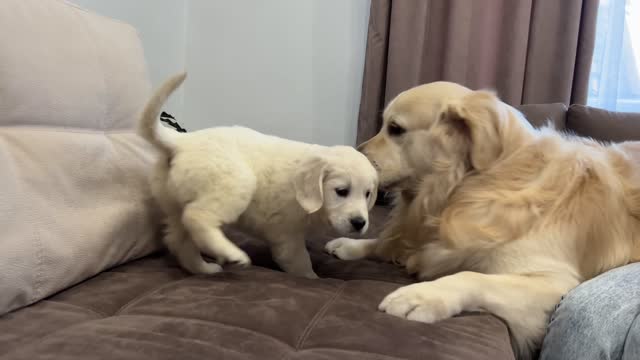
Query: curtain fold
x=529, y=51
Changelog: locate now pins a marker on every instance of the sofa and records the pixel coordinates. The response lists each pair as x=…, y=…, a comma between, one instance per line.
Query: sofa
x=82, y=271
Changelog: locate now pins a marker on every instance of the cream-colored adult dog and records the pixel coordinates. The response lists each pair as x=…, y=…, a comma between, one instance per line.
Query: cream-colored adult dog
x=270, y=186
x=500, y=216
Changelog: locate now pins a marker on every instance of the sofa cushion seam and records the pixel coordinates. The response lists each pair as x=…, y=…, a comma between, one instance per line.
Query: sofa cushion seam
x=390, y=357
x=211, y=322
x=319, y=315
x=95, y=312
x=136, y=299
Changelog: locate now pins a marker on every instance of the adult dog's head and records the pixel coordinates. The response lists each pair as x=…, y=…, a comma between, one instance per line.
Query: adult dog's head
x=439, y=128
x=340, y=185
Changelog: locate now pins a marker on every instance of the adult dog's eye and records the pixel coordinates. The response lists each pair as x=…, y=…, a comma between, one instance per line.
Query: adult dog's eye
x=342, y=192
x=395, y=129
x=367, y=194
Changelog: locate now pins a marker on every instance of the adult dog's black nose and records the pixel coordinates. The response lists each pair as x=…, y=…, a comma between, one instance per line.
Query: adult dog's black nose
x=358, y=222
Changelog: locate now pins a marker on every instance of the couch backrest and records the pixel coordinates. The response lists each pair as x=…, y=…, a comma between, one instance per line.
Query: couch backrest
x=603, y=125
x=74, y=198
x=585, y=121
x=541, y=114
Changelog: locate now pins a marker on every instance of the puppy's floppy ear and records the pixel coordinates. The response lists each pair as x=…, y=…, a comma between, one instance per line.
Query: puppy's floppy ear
x=308, y=183
x=373, y=197
x=480, y=115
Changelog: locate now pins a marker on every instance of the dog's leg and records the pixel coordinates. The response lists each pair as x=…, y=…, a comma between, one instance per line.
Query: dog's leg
x=223, y=192
x=176, y=238
x=524, y=301
x=177, y=241
x=352, y=249
x=203, y=218
x=290, y=253
x=435, y=260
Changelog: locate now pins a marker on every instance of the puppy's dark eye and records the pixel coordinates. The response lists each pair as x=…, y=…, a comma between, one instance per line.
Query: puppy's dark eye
x=367, y=194
x=395, y=129
x=342, y=192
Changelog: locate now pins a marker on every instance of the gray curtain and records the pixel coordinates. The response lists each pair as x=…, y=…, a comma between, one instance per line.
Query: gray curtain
x=529, y=51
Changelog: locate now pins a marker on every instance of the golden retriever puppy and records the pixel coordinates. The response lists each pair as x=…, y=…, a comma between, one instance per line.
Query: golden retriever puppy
x=269, y=186
x=497, y=215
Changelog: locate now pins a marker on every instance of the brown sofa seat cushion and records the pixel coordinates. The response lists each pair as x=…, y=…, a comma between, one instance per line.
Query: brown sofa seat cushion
x=151, y=309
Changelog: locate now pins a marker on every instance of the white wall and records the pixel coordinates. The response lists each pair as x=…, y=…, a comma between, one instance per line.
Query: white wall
x=292, y=68
x=161, y=26
x=338, y=43
x=249, y=63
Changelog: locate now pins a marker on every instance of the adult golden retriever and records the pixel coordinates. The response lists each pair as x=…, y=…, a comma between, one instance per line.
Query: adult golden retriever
x=499, y=216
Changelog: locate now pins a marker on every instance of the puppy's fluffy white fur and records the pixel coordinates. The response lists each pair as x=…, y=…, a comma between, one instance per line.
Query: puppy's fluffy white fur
x=270, y=186
x=497, y=215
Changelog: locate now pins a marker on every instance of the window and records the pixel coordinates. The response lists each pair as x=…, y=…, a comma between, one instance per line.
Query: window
x=614, y=82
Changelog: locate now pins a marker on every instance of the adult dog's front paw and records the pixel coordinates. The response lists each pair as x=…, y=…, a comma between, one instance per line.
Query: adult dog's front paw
x=425, y=302
x=347, y=249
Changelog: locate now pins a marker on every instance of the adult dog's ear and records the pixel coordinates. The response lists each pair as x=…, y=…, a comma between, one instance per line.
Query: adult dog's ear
x=308, y=183
x=480, y=115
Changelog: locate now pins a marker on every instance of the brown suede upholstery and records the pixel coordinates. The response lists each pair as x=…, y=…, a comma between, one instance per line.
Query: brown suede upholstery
x=150, y=309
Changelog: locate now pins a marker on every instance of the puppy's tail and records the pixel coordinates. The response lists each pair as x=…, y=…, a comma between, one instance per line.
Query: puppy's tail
x=149, y=127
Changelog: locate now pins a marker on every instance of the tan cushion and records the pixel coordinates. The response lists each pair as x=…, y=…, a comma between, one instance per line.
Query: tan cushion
x=74, y=198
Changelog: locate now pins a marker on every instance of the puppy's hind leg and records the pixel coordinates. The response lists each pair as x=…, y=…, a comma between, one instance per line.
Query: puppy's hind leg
x=222, y=204
x=176, y=238
x=177, y=241
x=204, y=224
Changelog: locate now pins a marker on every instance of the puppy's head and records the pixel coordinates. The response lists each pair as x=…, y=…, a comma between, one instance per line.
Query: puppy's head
x=433, y=129
x=341, y=185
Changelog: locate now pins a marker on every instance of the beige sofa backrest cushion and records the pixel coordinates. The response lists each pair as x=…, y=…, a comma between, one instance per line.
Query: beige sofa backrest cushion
x=74, y=198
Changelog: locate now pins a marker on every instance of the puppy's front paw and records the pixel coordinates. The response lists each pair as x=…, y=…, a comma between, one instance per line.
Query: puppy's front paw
x=311, y=275
x=207, y=268
x=424, y=302
x=347, y=249
x=234, y=256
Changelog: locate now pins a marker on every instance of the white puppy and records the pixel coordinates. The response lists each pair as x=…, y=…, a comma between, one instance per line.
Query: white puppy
x=268, y=185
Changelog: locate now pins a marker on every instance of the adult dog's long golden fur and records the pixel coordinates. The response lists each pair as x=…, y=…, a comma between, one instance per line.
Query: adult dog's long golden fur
x=497, y=215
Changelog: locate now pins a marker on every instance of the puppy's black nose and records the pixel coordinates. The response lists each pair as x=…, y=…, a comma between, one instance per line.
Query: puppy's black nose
x=358, y=222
